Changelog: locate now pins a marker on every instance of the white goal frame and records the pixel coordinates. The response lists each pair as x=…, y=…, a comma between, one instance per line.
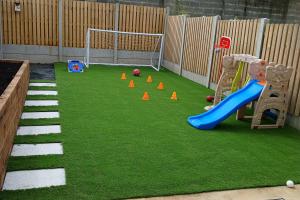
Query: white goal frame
x=87, y=48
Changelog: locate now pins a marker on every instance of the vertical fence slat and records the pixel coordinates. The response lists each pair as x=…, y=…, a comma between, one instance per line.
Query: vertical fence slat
x=34, y=22
x=282, y=44
x=42, y=22
x=255, y=30
x=13, y=23
x=265, y=42
x=287, y=45
x=50, y=28
x=17, y=27
x=278, y=43
x=71, y=25
x=134, y=25
x=5, y=22
x=22, y=20
x=55, y=23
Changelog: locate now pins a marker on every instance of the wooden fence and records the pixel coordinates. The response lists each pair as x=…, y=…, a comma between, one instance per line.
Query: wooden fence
x=173, y=38
x=37, y=23
x=197, y=44
x=140, y=19
x=78, y=16
x=243, y=40
x=282, y=45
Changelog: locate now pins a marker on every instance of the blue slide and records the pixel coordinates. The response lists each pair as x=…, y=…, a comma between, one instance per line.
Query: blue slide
x=225, y=108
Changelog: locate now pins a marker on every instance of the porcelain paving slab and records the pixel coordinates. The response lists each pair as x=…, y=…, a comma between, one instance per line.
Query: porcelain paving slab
x=37, y=149
x=41, y=92
x=29, y=179
x=39, y=130
x=39, y=115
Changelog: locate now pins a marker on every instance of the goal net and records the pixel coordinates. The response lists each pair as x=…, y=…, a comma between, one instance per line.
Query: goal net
x=121, y=48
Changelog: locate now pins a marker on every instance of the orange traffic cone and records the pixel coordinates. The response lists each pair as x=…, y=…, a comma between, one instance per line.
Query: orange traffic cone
x=174, y=96
x=123, y=76
x=160, y=86
x=149, y=79
x=146, y=96
x=131, y=84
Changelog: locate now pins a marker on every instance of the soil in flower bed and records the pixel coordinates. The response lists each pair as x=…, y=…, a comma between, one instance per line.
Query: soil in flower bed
x=7, y=72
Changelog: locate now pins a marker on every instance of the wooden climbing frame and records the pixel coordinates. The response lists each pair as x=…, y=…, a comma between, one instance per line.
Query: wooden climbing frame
x=274, y=96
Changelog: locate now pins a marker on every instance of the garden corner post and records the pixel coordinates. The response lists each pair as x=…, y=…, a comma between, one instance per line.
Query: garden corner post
x=182, y=43
x=260, y=36
x=211, y=50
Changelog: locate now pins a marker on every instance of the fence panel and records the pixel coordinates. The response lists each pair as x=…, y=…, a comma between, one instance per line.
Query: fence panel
x=282, y=45
x=173, y=38
x=140, y=19
x=35, y=24
x=243, y=41
x=78, y=16
x=197, y=44
x=132, y=18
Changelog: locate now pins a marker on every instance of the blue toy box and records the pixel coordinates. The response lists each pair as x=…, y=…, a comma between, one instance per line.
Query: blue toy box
x=75, y=66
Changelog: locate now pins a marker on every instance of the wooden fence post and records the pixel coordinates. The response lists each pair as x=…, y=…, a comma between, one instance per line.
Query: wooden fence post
x=182, y=43
x=116, y=28
x=165, y=25
x=60, y=30
x=260, y=36
x=212, y=46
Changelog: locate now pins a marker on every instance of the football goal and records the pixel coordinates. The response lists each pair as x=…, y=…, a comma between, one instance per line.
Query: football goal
x=108, y=47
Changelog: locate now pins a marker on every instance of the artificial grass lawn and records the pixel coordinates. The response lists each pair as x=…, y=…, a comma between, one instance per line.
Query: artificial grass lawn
x=118, y=146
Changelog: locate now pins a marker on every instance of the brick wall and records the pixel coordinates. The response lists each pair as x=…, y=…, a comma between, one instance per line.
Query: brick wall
x=275, y=10
x=159, y=3
x=293, y=15
x=278, y=11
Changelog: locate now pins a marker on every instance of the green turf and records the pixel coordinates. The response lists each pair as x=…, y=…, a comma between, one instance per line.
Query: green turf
x=118, y=146
x=40, y=108
x=42, y=97
x=42, y=81
x=41, y=88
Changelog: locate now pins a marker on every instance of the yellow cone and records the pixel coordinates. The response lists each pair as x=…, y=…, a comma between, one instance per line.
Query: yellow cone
x=174, y=96
x=149, y=79
x=123, y=76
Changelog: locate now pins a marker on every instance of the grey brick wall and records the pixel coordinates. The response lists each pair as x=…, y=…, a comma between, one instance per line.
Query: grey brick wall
x=275, y=10
x=293, y=14
x=158, y=3
x=278, y=11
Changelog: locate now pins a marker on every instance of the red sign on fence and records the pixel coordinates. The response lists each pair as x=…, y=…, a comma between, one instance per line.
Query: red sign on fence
x=225, y=42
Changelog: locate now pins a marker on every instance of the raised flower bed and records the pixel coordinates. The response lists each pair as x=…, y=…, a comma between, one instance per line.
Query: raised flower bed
x=14, y=79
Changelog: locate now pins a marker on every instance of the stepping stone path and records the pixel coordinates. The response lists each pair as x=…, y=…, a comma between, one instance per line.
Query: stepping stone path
x=43, y=84
x=39, y=115
x=41, y=103
x=39, y=130
x=41, y=92
x=29, y=179
x=37, y=149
